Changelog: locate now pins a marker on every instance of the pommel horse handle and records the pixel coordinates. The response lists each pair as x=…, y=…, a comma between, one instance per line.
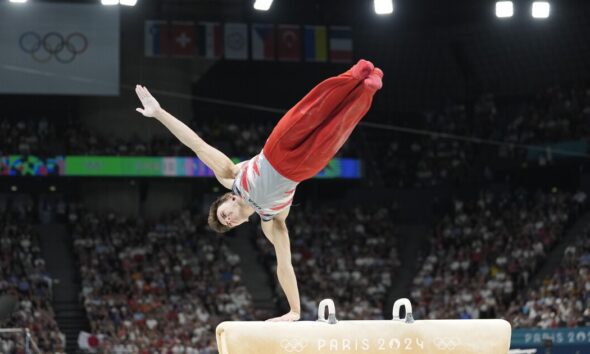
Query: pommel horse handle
x=327, y=303
x=407, y=305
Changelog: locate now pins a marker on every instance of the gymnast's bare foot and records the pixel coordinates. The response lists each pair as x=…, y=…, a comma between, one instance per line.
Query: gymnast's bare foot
x=289, y=317
x=373, y=81
x=362, y=69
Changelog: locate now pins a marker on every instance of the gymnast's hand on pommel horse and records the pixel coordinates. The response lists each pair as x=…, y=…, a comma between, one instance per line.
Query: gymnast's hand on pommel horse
x=303, y=142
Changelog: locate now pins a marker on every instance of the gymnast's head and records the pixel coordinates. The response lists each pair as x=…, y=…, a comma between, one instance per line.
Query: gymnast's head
x=226, y=213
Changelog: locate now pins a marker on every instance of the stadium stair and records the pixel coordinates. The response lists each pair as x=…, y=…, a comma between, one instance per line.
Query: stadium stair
x=255, y=277
x=413, y=239
x=554, y=258
x=57, y=249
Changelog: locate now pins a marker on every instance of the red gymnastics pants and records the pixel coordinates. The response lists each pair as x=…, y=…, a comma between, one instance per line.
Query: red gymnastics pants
x=309, y=135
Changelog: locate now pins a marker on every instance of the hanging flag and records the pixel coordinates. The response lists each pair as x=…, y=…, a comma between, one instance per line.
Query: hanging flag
x=156, y=38
x=341, y=44
x=236, y=41
x=209, y=40
x=289, y=42
x=263, y=41
x=315, y=43
x=182, y=38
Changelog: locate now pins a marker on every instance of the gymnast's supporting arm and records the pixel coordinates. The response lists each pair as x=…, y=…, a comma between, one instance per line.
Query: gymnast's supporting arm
x=277, y=233
x=223, y=168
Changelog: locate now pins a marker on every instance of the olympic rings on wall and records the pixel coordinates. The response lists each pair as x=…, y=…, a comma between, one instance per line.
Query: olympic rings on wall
x=53, y=45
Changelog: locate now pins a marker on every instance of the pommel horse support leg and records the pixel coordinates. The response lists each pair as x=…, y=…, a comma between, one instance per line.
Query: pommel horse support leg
x=327, y=335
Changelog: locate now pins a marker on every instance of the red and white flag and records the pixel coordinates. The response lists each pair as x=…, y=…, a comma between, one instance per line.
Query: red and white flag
x=88, y=341
x=289, y=42
x=182, y=39
x=210, y=40
x=341, y=44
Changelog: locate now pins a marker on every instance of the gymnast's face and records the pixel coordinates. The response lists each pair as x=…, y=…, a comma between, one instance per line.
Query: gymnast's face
x=230, y=212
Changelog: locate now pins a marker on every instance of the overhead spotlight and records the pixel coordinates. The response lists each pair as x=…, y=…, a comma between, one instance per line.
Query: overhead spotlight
x=109, y=2
x=541, y=9
x=383, y=7
x=128, y=2
x=504, y=9
x=52, y=188
x=14, y=188
x=18, y=1
x=262, y=5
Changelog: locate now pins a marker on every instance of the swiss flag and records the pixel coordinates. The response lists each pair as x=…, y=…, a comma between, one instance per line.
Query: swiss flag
x=182, y=38
x=289, y=42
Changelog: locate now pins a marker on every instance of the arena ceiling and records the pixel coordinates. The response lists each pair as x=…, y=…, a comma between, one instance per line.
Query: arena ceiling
x=408, y=12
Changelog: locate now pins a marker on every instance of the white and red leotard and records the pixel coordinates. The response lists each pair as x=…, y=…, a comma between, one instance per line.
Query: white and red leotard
x=306, y=138
x=261, y=186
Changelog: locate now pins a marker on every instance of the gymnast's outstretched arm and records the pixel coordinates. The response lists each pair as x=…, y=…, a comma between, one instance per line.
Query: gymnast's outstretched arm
x=223, y=168
x=277, y=233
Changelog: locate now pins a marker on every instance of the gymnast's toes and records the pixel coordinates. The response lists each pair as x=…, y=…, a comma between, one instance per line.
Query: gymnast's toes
x=362, y=69
x=378, y=72
x=373, y=81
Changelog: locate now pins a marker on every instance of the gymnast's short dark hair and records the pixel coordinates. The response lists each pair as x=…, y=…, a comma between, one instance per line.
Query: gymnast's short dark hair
x=213, y=220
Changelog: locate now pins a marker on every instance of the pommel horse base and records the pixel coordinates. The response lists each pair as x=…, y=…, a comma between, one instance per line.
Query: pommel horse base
x=327, y=335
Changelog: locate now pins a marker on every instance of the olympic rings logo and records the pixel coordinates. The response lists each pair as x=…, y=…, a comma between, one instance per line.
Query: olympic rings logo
x=293, y=345
x=53, y=45
x=446, y=343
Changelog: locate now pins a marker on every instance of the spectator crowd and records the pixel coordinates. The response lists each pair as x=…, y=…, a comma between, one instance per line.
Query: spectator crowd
x=156, y=287
x=466, y=141
x=562, y=299
x=24, y=277
x=162, y=286
x=484, y=251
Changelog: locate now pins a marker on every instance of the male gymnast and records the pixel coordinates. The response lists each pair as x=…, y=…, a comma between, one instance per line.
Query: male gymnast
x=303, y=142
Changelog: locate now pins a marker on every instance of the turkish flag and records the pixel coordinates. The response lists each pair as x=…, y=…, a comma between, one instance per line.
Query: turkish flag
x=289, y=42
x=182, y=38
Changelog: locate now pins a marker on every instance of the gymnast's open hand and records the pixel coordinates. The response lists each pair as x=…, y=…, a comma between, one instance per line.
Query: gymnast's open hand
x=150, y=105
x=290, y=317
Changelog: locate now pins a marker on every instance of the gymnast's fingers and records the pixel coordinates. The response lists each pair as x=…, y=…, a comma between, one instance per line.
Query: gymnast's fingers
x=147, y=92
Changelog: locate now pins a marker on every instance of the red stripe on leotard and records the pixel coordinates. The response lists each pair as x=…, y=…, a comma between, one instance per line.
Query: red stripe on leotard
x=255, y=165
x=279, y=207
x=245, y=178
x=290, y=192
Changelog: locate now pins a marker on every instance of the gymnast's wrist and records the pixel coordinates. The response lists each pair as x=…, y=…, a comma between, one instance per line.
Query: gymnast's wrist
x=159, y=114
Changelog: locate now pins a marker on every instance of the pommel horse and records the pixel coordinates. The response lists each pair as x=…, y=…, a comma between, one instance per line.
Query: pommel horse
x=399, y=335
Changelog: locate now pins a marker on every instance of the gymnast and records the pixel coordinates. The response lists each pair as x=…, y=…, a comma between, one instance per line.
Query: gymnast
x=303, y=142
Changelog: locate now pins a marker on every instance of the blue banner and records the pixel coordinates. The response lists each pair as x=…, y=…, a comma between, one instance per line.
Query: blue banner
x=535, y=338
x=139, y=166
x=568, y=349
